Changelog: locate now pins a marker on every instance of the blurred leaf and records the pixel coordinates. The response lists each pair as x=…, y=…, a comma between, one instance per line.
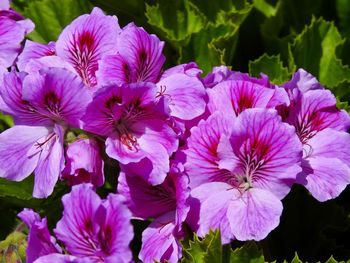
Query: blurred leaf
x=343, y=10
x=175, y=20
x=264, y=7
x=212, y=46
x=208, y=249
x=271, y=66
x=223, y=11
x=51, y=16
x=127, y=11
x=249, y=253
x=315, y=50
x=296, y=259
x=20, y=190
x=5, y=122
x=12, y=249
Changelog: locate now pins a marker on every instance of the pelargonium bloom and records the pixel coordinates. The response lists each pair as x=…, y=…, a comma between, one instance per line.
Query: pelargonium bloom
x=166, y=203
x=84, y=163
x=43, y=105
x=40, y=241
x=13, y=29
x=239, y=171
x=322, y=129
x=138, y=58
x=91, y=229
x=135, y=122
x=86, y=40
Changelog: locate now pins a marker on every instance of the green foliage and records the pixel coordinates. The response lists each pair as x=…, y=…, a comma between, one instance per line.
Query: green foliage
x=209, y=249
x=51, y=16
x=12, y=249
x=315, y=50
x=271, y=66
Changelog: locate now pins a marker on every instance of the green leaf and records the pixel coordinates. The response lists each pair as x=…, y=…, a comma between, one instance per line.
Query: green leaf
x=175, y=20
x=5, y=122
x=213, y=46
x=20, y=190
x=296, y=259
x=343, y=10
x=51, y=16
x=332, y=260
x=249, y=253
x=315, y=50
x=223, y=11
x=208, y=249
x=271, y=66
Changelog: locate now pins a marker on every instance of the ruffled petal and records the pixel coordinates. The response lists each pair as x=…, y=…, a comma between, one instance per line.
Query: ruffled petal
x=76, y=229
x=34, y=50
x=233, y=97
x=40, y=242
x=253, y=214
x=202, y=160
x=325, y=178
x=58, y=95
x=157, y=239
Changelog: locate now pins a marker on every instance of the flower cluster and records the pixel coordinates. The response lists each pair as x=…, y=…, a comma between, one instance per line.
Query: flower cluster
x=219, y=151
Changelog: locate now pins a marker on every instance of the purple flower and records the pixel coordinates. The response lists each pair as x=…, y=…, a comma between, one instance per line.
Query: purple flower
x=167, y=203
x=138, y=58
x=322, y=129
x=91, y=229
x=86, y=40
x=239, y=170
x=94, y=228
x=40, y=241
x=13, y=29
x=43, y=105
x=135, y=122
x=84, y=163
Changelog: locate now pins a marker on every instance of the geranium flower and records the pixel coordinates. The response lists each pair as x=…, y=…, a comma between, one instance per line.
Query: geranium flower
x=135, y=124
x=43, y=105
x=239, y=170
x=322, y=129
x=91, y=229
x=166, y=203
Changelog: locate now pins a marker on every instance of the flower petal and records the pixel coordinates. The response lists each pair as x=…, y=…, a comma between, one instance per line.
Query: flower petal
x=86, y=40
x=76, y=229
x=34, y=50
x=157, y=239
x=202, y=160
x=326, y=178
x=40, y=242
x=15, y=144
x=50, y=165
x=254, y=214
x=57, y=94
x=233, y=97
x=186, y=94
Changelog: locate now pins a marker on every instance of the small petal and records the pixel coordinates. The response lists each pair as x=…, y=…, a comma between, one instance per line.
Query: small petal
x=186, y=94
x=15, y=145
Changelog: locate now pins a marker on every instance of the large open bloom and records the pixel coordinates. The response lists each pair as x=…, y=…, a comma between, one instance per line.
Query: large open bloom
x=91, y=229
x=322, y=129
x=43, y=105
x=166, y=203
x=135, y=124
x=239, y=170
